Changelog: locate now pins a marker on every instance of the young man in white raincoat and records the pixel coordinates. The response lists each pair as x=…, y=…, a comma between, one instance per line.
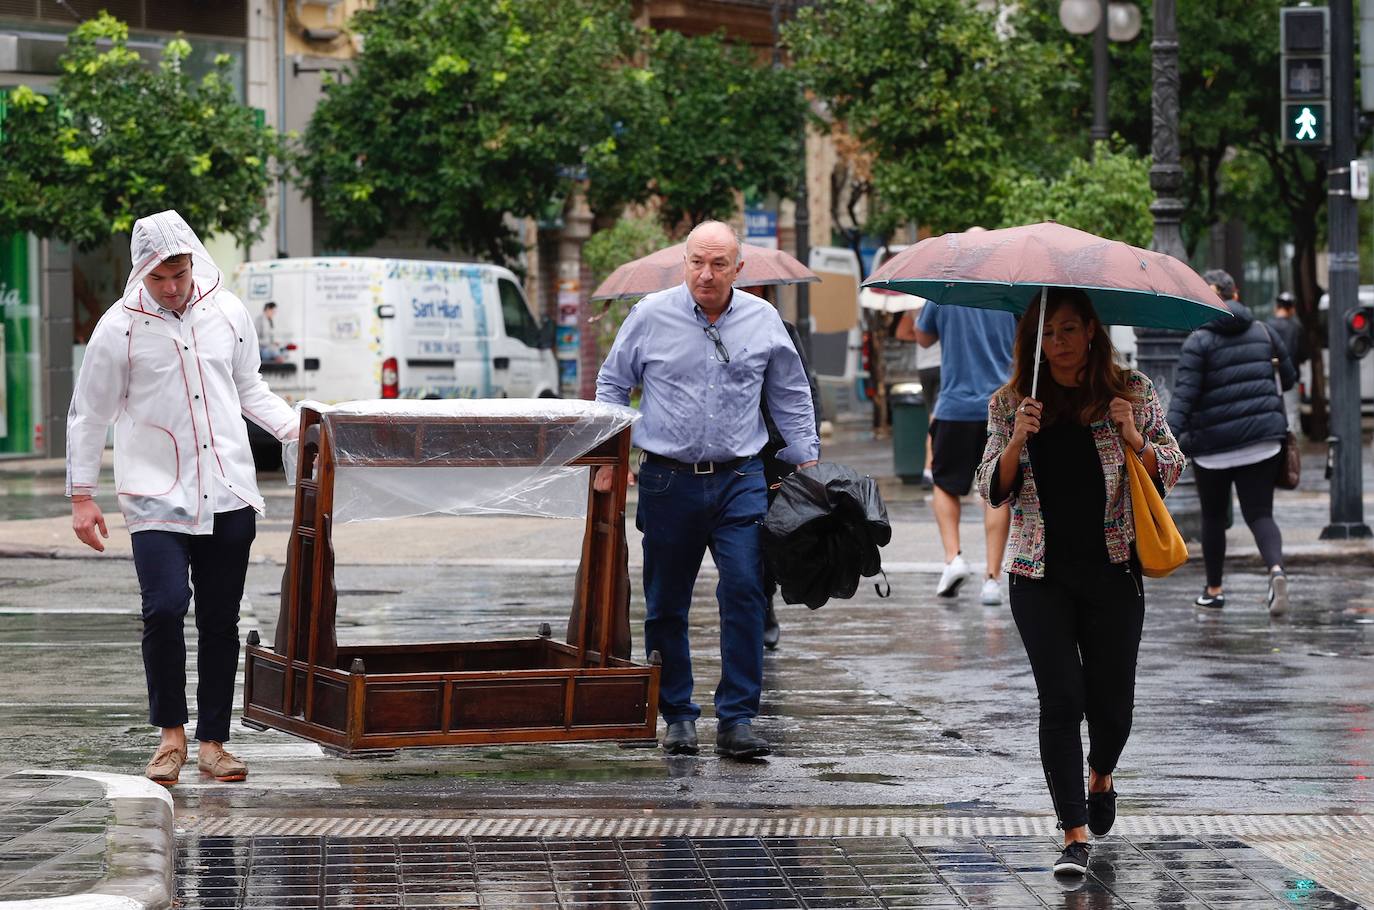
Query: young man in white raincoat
x=173, y=365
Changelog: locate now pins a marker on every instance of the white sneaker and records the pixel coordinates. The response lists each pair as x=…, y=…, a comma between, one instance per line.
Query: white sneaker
x=955, y=574
x=1278, y=593
x=992, y=593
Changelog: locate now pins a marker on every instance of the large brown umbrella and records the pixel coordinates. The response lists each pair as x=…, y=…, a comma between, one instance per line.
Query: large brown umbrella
x=663, y=269
x=1008, y=268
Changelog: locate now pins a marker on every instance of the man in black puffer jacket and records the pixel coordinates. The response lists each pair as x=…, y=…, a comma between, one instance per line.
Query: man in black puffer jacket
x=1229, y=418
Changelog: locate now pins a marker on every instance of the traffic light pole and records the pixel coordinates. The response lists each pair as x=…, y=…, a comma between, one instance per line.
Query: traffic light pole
x=1347, y=450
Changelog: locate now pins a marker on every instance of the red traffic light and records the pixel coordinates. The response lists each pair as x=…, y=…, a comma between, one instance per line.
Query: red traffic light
x=1359, y=324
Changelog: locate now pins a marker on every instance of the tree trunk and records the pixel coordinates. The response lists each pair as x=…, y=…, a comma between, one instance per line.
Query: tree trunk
x=874, y=324
x=877, y=329
x=1307, y=294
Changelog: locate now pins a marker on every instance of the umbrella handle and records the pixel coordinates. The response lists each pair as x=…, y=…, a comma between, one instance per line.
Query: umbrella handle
x=1039, y=337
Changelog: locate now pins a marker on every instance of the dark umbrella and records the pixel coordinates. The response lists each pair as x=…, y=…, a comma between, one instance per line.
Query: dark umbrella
x=822, y=533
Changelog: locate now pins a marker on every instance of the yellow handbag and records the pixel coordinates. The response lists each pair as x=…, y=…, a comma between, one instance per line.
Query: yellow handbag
x=1157, y=542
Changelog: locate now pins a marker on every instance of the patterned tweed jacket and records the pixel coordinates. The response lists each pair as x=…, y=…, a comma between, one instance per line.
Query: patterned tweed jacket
x=1027, y=545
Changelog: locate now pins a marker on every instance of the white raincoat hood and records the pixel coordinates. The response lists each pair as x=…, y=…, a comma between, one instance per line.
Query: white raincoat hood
x=176, y=387
x=158, y=237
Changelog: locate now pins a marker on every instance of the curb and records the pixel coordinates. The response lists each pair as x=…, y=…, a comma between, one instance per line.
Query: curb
x=140, y=848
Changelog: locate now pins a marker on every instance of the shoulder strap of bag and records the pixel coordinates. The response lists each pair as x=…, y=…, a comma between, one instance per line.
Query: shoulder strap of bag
x=1274, y=349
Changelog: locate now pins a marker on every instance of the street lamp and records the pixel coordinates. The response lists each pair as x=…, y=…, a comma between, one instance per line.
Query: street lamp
x=1105, y=21
x=1157, y=350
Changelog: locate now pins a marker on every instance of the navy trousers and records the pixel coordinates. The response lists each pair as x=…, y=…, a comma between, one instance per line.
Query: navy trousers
x=168, y=565
x=682, y=515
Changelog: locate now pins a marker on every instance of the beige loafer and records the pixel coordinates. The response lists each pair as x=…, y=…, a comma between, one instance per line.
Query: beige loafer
x=224, y=767
x=165, y=768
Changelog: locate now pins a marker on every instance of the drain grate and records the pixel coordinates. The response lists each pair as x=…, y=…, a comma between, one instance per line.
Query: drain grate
x=807, y=826
x=729, y=873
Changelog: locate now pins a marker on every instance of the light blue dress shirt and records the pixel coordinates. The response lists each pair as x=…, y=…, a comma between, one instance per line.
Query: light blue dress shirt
x=696, y=407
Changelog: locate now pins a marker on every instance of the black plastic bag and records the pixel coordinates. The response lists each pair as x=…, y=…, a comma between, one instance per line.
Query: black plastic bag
x=822, y=533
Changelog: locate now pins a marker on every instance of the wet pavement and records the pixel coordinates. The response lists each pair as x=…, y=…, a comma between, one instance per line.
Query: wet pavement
x=904, y=733
x=52, y=836
x=724, y=873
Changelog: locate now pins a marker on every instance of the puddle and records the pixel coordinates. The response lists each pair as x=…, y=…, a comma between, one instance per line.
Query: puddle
x=860, y=777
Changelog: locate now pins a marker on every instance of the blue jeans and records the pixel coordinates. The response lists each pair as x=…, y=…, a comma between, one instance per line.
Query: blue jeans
x=216, y=564
x=681, y=515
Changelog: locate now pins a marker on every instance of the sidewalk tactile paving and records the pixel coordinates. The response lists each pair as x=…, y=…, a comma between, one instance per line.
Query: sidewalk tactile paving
x=1006, y=872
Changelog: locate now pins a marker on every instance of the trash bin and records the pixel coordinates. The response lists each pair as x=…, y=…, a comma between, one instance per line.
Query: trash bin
x=910, y=422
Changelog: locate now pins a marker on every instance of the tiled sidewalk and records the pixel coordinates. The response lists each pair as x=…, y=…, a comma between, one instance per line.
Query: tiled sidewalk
x=725, y=873
x=52, y=836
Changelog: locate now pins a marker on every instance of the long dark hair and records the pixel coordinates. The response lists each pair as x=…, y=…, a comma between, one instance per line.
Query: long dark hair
x=1102, y=378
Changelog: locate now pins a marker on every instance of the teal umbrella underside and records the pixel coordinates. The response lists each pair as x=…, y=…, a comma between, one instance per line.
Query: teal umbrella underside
x=1114, y=306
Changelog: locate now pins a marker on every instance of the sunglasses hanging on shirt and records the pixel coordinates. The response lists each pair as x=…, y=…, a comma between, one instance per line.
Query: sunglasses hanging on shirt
x=713, y=333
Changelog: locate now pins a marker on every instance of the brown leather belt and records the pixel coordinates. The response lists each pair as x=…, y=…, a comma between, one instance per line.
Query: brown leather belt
x=696, y=467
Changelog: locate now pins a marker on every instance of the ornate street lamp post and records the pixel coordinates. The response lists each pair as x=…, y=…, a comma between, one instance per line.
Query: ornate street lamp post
x=1157, y=350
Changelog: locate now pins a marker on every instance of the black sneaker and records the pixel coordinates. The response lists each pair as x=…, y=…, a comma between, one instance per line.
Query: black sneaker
x=1074, y=859
x=1210, y=601
x=1102, y=811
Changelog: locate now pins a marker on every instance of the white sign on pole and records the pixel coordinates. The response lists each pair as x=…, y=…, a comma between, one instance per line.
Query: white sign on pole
x=1359, y=179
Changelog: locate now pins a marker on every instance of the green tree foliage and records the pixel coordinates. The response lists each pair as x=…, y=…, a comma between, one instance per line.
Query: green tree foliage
x=605, y=251
x=460, y=112
x=121, y=139
x=1234, y=164
x=630, y=238
x=1108, y=195
x=704, y=121
x=1228, y=103
x=945, y=100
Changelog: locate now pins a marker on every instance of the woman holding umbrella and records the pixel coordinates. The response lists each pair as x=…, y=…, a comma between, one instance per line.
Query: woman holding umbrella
x=1059, y=454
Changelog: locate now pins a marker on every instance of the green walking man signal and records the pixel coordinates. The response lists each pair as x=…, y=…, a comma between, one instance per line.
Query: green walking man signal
x=1305, y=124
x=1305, y=69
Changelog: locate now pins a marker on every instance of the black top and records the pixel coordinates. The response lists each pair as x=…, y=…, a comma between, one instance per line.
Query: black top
x=1073, y=495
x=1290, y=333
x=1224, y=395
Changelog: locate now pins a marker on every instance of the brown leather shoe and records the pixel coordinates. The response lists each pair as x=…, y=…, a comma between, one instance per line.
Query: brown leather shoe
x=165, y=768
x=224, y=767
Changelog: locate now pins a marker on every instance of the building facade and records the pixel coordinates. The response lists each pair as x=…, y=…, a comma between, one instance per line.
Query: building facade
x=281, y=53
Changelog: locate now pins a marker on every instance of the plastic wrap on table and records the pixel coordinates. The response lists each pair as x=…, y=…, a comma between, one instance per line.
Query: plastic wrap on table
x=401, y=458
x=822, y=533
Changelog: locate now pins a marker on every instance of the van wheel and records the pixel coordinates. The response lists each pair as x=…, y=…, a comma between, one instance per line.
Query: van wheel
x=430, y=398
x=547, y=394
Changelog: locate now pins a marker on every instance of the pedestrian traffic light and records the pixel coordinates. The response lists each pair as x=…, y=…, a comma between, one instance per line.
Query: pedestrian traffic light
x=1359, y=331
x=1305, y=68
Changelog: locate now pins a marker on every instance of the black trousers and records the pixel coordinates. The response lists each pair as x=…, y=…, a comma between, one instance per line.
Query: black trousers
x=168, y=565
x=1081, y=629
x=1255, y=490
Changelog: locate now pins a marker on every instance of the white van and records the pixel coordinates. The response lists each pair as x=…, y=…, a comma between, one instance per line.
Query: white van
x=1366, y=368
x=837, y=333
x=350, y=328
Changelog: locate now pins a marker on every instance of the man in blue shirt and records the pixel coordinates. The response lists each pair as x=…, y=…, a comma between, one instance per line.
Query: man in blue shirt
x=975, y=361
x=703, y=353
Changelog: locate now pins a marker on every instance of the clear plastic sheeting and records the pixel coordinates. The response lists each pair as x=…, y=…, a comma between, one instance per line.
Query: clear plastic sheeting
x=401, y=459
